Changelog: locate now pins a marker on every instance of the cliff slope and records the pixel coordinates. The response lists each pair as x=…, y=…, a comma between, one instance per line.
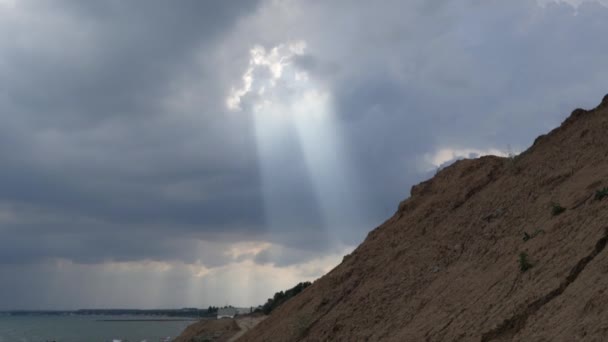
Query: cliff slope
x=446, y=266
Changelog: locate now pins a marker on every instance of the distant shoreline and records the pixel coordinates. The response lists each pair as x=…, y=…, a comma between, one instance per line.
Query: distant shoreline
x=161, y=314
x=149, y=320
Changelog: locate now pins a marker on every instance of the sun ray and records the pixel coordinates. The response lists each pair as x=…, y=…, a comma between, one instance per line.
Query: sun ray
x=298, y=142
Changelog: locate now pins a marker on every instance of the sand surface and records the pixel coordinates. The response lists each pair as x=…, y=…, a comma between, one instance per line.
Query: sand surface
x=245, y=324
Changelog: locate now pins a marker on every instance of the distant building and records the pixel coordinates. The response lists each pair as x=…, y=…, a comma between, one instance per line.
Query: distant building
x=230, y=312
x=227, y=312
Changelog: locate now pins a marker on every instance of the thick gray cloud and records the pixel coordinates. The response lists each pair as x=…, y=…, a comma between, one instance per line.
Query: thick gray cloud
x=117, y=144
x=88, y=137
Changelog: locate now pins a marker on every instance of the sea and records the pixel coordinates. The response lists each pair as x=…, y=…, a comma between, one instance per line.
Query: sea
x=84, y=328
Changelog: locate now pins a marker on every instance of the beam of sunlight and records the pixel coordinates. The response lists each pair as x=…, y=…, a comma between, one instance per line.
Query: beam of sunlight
x=327, y=160
x=294, y=124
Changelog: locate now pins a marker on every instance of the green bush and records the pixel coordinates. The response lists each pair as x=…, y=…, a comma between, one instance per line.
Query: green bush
x=600, y=194
x=524, y=264
x=557, y=209
x=201, y=339
x=281, y=297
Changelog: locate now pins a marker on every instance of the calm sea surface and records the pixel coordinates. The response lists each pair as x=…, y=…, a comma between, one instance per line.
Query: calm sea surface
x=85, y=329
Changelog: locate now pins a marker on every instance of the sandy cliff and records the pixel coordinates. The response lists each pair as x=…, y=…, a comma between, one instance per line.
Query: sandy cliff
x=216, y=330
x=445, y=267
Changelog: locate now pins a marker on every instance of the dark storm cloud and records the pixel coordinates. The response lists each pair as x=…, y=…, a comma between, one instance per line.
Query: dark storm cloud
x=97, y=60
x=87, y=133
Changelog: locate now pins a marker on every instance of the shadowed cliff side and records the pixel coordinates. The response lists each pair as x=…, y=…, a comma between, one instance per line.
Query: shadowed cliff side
x=480, y=252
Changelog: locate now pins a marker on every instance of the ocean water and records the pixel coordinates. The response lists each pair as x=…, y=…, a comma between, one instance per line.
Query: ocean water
x=86, y=329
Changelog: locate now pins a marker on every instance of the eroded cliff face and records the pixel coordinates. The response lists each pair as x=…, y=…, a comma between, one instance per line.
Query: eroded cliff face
x=446, y=266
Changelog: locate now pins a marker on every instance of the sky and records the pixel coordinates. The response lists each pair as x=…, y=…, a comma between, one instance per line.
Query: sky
x=166, y=154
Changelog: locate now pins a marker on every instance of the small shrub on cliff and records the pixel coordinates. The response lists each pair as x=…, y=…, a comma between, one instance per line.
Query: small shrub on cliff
x=511, y=164
x=600, y=194
x=556, y=209
x=201, y=339
x=524, y=264
x=281, y=297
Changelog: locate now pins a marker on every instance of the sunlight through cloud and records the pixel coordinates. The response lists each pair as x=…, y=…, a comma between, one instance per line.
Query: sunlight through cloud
x=294, y=121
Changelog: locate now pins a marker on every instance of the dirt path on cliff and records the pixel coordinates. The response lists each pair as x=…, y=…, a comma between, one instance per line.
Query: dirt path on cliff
x=246, y=324
x=220, y=330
